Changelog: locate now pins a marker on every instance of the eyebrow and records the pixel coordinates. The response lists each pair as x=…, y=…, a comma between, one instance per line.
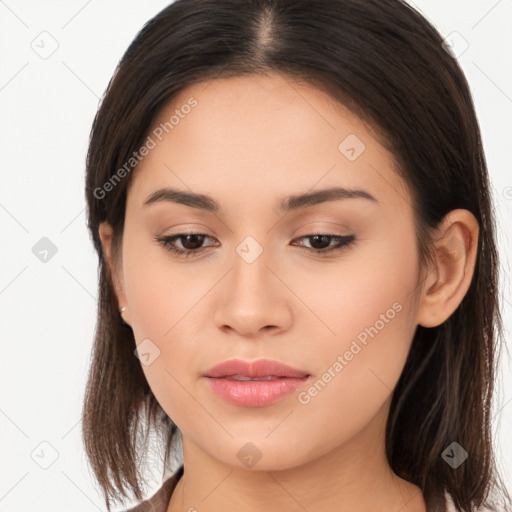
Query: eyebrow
x=290, y=203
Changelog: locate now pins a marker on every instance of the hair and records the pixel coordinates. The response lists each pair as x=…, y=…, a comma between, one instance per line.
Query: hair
x=387, y=64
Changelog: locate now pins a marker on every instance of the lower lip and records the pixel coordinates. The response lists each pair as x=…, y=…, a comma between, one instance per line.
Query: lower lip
x=254, y=393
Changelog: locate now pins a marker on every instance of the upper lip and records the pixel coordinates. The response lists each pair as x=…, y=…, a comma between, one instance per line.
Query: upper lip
x=258, y=368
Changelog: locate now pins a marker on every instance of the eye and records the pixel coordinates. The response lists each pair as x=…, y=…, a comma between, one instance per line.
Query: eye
x=322, y=242
x=191, y=243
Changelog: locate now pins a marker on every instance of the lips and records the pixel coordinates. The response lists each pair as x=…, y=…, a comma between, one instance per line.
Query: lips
x=262, y=369
x=254, y=384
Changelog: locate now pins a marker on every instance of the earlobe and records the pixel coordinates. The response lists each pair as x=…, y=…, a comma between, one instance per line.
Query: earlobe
x=105, y=232
x=456, y=246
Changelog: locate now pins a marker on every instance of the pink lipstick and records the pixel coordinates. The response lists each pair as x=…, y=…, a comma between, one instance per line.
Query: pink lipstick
x=254, y=384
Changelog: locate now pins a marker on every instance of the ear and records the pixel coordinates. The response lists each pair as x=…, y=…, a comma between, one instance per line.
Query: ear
x=114, y=267
x=456, y=248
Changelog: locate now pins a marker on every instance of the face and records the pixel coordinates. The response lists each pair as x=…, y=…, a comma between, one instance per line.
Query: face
x=325, y=286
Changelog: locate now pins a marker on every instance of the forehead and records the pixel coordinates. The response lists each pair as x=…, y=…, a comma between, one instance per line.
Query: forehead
x=261, y=134
x=260, y=106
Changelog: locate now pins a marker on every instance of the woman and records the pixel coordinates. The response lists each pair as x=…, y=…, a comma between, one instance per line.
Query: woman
x=298, y=267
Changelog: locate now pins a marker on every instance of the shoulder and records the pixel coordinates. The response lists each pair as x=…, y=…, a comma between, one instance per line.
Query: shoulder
x=160, y=500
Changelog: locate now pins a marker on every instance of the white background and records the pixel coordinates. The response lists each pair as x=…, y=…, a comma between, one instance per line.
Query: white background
x=48, y=310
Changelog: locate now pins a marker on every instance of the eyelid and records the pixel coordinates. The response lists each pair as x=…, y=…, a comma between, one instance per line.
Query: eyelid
x=331, y=226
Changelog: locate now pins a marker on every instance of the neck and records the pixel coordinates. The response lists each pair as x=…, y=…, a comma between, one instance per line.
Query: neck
x=353, y=476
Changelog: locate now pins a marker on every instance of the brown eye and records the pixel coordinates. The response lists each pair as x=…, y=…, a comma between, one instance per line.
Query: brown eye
x=191, y=243
x=321, y=242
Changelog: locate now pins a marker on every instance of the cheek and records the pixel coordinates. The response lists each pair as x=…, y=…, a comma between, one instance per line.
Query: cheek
x=357, y=372
x=368, y=311
x=157, y=292
x=367, y=295
x=161, y=300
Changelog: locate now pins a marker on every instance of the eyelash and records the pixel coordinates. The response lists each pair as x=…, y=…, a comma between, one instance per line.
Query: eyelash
x=167, y=241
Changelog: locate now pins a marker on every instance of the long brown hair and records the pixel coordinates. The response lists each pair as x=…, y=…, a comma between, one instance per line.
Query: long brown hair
x=388, y=65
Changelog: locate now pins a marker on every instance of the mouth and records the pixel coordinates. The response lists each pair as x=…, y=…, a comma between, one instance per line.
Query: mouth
x=254, y=384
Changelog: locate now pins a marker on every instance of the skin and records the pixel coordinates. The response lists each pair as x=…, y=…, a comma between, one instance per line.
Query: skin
x=250, y=142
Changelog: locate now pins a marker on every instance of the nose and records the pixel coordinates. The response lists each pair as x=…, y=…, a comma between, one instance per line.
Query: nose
x=253, y=301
